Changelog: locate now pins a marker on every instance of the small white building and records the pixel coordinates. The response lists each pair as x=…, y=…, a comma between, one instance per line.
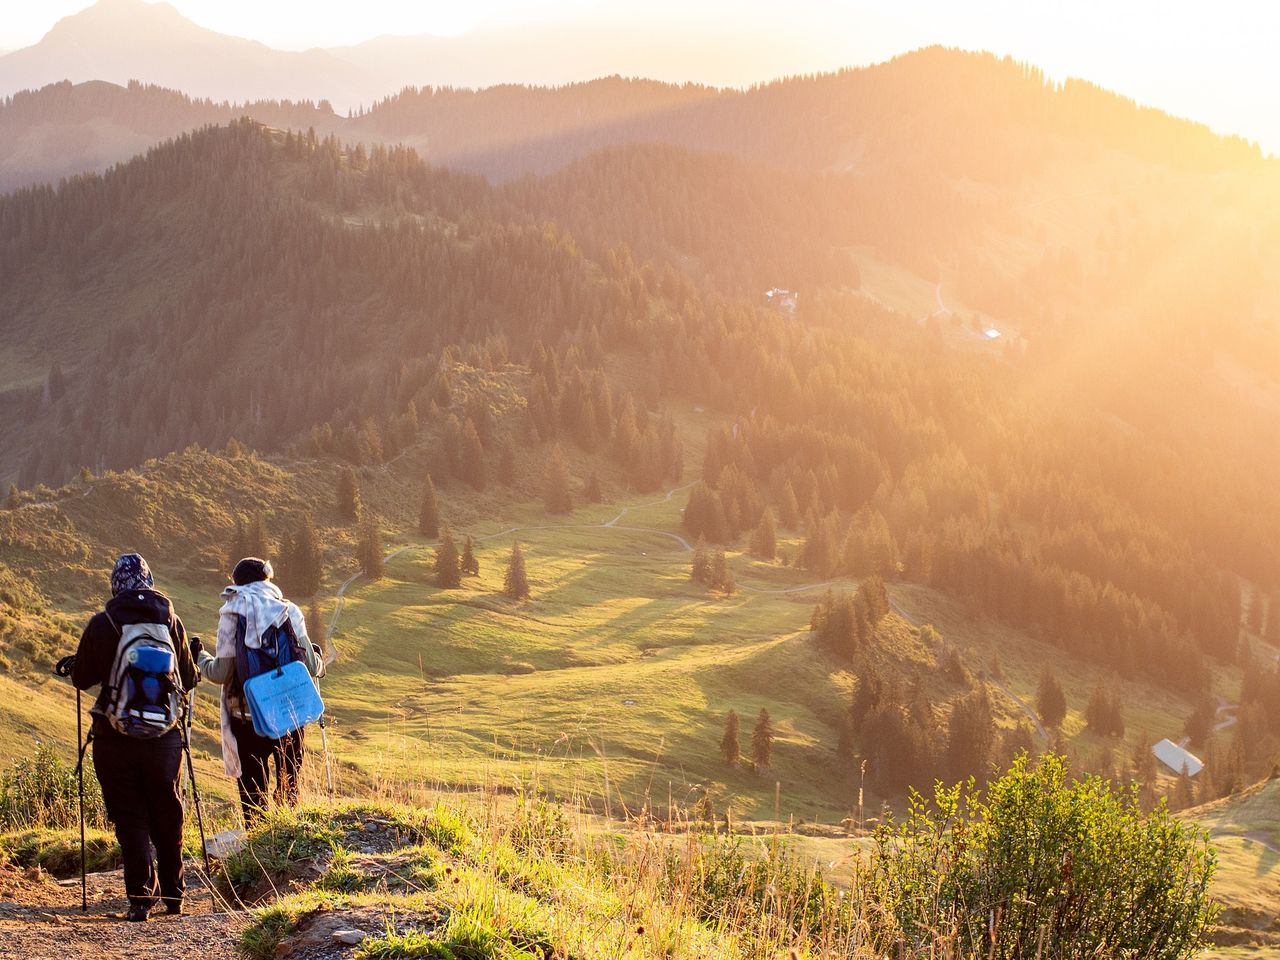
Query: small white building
x=784, y=300
x=1177, y=758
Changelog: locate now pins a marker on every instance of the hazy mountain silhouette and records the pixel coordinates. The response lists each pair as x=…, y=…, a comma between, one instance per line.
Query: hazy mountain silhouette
x=122, y=40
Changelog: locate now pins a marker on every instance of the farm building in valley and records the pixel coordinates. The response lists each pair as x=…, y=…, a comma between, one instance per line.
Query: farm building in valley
x=1177, y=758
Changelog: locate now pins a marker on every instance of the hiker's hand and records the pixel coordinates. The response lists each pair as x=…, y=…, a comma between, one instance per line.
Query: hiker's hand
x=65, y=666
x=197, y=648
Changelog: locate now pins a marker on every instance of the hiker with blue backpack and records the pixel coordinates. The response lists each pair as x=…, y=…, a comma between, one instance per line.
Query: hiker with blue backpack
x=267, y=666
x=137, y=650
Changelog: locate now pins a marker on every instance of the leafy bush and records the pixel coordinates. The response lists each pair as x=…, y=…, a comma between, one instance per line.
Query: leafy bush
x=1044, y=866
x=40, y=791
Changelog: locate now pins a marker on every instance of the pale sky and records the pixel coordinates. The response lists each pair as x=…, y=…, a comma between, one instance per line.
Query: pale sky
x=1212, y=61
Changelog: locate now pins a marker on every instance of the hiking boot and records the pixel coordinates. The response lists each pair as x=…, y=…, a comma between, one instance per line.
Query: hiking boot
x=173, y=908
x=138, y=913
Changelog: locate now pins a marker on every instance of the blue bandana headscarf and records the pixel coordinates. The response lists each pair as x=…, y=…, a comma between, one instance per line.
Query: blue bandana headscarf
x=130, y=573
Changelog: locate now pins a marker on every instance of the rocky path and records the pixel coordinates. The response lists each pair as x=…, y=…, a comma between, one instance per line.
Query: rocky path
x=41, y=919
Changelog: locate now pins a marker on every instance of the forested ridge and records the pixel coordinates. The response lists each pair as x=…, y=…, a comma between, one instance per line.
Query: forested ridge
x=303, y=296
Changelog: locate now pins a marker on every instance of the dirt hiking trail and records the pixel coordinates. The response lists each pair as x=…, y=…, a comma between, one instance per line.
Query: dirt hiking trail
x=40, y=919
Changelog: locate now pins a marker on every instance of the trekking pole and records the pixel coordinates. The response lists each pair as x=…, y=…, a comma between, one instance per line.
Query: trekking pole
x=84, y=873
x=63, y=669
x=191, y=776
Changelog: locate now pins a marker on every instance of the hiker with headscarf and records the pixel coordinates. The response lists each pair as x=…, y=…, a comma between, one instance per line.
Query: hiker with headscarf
x=251, y=607
x=136, y=733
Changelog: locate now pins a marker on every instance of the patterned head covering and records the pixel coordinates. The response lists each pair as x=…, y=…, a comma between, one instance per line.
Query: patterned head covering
x=130, y=573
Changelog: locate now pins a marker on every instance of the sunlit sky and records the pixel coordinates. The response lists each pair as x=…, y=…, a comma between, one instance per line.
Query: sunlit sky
x=1215, y=62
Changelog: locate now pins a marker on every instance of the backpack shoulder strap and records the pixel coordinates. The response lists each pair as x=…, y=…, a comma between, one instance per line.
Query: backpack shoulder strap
x=114, y=626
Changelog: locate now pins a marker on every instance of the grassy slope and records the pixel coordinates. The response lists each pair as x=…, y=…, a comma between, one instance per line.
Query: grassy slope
x=1245, y=829
x=461, y=685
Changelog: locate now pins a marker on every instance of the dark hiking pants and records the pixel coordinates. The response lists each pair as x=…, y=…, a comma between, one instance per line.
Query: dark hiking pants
x=141, y=789
x=257, y=754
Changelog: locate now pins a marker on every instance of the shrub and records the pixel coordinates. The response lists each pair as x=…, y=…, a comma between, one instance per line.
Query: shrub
x=40, y=790
x=1044, y=867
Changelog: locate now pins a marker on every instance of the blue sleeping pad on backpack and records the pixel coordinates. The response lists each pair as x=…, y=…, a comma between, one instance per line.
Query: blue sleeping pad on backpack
x=283, y=700
x=279, y=691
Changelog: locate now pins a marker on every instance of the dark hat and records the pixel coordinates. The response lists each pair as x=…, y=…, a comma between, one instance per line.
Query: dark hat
x=251, y=570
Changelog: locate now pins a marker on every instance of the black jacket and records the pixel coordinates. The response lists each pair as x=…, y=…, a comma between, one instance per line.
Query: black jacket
x=98, y=643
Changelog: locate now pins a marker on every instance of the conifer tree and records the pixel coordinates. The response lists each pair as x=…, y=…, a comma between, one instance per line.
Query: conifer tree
x=730, y=750
x=592, y=491
x=474, y=470
x=448, y=563
x=789, y=507
x=1200, y=724
x=255, y=538
x=764, y=541
x=469, y=565
x=507, y=463
x=555, y=484
x=15, y=497
x=303, y=563
x=1272, y=633
x=701, y=569
x=762, y=741
x=429, y=512
x=722, y=574
x=1051, y=701
x=515, y=583
x=1104, y=715
x=237, y=550
x=348, y=496
x=971, y=735
x=369, y=549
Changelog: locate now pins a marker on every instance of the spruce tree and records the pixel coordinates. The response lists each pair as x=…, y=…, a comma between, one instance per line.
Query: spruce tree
x=348, y=496
x=592, y=491
x=721, y=573
x=369, y=549
x=469, y=565
x=14, y=499
x=971, y=735
x=762, y=741
x=1200, y=724
x=701, y=568
x=764, y=541
x=448, y=564
x=507, y=463
x=1051, y=701
x=515, y=584
x=303, y=564
x=236, y=551
x=255, y=538
x=730, y=750
x=429, y=512
x=1273, y=621
x=474, y=470
x=789, y=507
x=555, y=484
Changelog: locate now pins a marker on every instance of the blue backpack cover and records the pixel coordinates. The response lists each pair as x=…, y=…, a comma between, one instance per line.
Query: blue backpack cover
x=277, y=686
